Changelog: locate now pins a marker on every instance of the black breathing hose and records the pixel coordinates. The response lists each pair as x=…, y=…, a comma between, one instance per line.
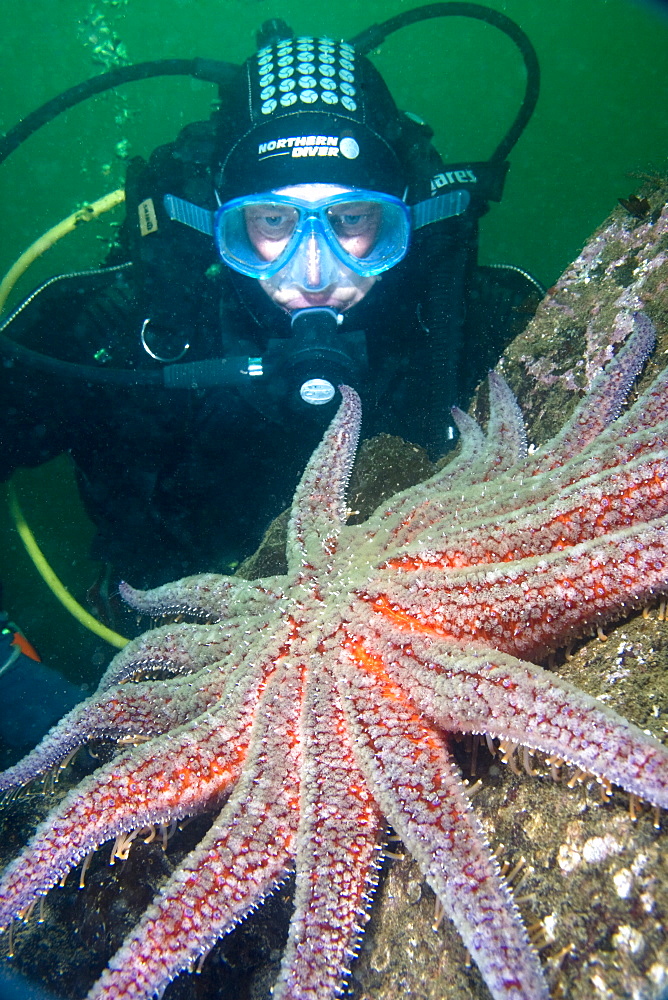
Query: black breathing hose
x=372, y=37
x=210, y=70
x=444, y=314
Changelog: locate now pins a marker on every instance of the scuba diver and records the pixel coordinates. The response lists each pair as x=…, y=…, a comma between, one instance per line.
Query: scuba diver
x=307, y=235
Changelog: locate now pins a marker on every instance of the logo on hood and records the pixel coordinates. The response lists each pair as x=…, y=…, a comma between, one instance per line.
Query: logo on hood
x=309, y=145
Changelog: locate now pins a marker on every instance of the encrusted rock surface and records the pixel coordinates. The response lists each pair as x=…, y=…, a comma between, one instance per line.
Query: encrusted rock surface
x=588, y=313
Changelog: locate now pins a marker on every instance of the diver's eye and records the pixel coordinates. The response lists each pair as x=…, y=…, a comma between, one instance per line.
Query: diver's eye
x=355, y=219
x=273, y=222
x=356, y=226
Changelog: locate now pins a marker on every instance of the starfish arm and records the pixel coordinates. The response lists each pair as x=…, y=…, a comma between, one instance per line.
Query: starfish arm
x=153, y=707
x=137, y=710
x=610, y=452
x=242, y=858
x=406, y=507
x=604, y=400
x=167, y=778
x=517, y=493
x=489, y=692
x=336, y=850
x=651, y=407
x=471, y=444
x=479, y=457
x=172, y=649
x=529, y=606
x=506, y=441
x=319, y=508
x=589, y=443
x=634, y=493
x=418, y=788
x=207, y=595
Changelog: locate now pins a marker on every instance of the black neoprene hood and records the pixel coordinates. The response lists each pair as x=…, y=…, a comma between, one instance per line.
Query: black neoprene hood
x=314, y=111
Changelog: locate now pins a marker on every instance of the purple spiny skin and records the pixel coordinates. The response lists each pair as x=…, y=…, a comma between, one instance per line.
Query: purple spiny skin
x=607, y=394
x=319, y=705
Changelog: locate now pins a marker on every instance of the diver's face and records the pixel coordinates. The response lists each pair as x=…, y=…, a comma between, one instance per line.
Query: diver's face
x=314, y=276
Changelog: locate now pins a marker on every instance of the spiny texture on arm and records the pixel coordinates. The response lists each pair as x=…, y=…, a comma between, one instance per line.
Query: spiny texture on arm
x=141, y=710
x=167, y=778
x=420, y=791
x=124, y=709
x=462, y=690
x=172, y=649
x=491, y=474
x=319, y=509
x=207, y=596
x=604, y=401
x=337, y=860
x=246, y=852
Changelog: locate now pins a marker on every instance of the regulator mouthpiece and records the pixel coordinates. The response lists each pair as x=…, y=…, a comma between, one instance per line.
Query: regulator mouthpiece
x=319, y=363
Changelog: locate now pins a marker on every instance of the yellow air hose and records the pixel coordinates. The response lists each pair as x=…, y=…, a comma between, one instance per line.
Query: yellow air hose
x=54, y=234
x=34, y=251
x=52, y=581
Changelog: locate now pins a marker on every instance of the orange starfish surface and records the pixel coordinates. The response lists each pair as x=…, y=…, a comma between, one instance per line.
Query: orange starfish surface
x=311, y=709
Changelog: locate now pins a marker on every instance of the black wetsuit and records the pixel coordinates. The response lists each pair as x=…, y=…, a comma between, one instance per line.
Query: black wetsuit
x=183, y=481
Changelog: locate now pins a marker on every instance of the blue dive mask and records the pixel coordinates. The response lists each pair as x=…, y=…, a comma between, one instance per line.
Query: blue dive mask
x=363, y=232
x=259, y=235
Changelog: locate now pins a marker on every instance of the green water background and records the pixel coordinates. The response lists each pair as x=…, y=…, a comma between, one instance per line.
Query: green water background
x=601, y=124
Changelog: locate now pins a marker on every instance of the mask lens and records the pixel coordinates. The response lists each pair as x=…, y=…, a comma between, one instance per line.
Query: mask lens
x=373, y=233
x=269, y=228
x=252, y=235
x=356, y=225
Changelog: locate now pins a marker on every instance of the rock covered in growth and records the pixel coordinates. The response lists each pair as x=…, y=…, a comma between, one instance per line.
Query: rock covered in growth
x=587, y=314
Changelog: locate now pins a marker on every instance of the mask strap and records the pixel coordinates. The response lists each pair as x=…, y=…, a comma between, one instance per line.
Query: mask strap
x=443, y=206
x=180, y=210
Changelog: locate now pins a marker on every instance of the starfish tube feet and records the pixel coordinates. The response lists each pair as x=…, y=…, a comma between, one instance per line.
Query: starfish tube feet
x=337, y=852
x=160, y=781
x=422, y=795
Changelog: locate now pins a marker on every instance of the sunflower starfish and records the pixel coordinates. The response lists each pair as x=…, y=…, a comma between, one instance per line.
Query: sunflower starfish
x=312, y=708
